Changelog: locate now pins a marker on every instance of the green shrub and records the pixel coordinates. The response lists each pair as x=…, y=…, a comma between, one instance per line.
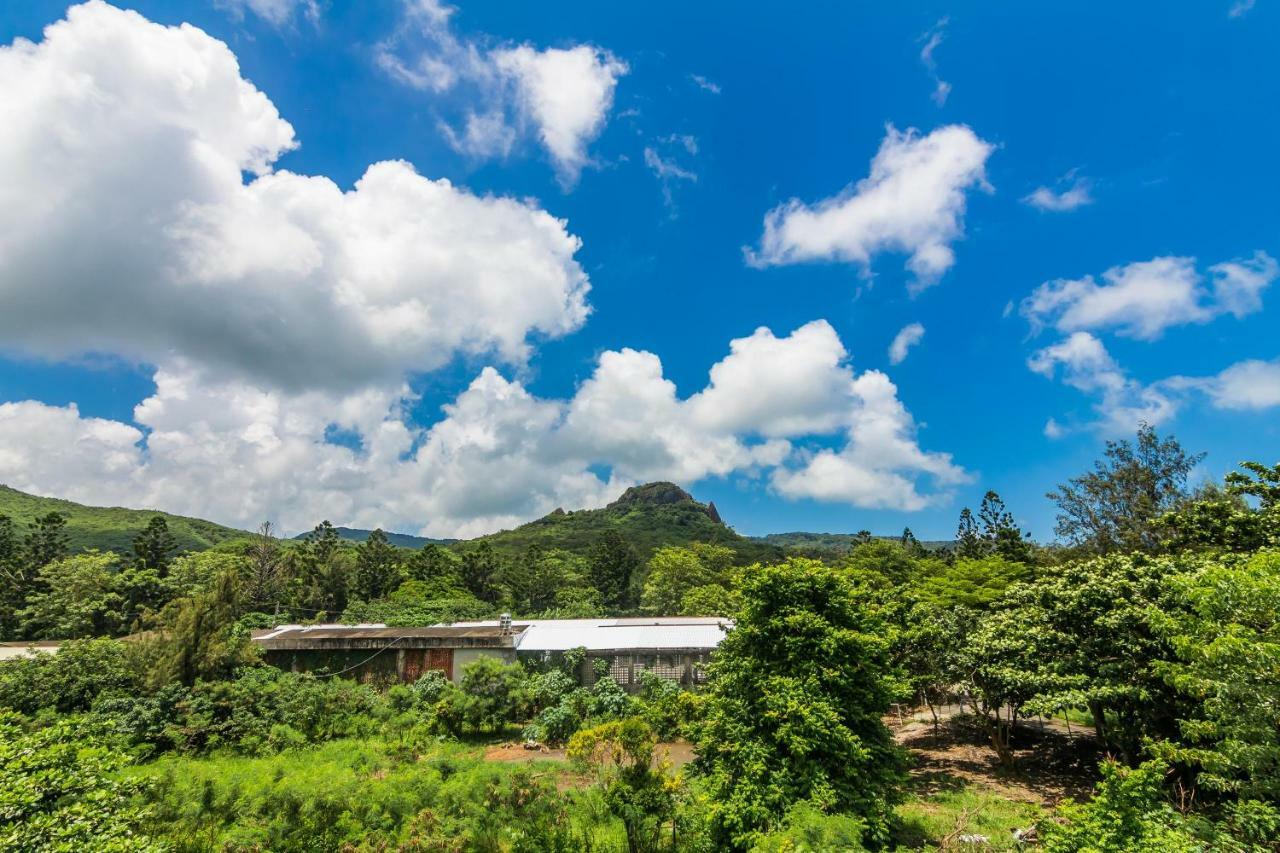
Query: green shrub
x=70, y=680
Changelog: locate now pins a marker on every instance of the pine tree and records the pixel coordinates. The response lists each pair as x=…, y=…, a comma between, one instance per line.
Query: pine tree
x=377, y=569
x=613, y=562
x=1000, y=531
x=482, y=573
x=47, y=540
x=969, y=544
x=153, y=548
x=910, y=544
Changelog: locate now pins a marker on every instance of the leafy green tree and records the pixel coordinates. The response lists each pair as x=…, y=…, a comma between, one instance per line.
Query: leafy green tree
x=61, y=790
x=1117, y=506
x=882, y=560
x=47, y=540
x=976, y=583
x=1087, y=635
x=1227, y=638
x=71, y=680
x=613, y=563
x=434, y=566
x=153, y=548
x=377, y=567
x=674, y=572
x=1128, y=812
x=546, y=579
x=642, y=797
x=793, y=709
x=1222, y=519
x=910, y=544
x=76, y=597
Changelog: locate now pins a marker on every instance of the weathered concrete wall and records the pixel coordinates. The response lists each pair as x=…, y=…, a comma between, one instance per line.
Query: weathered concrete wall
x=462, y=657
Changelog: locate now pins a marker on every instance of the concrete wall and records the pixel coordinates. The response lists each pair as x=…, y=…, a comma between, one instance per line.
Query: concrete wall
x=462, y=657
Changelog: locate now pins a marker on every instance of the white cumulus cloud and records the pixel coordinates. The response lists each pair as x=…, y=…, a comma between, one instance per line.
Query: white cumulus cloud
x=238, y=453
x=562, y=95
x=1141, y=300
x=913, y=202
x=126, y=226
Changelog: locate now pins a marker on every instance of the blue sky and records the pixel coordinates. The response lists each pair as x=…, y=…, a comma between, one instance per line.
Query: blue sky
x=1157, y=116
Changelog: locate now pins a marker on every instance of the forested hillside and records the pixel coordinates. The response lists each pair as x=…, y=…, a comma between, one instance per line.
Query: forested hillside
x=110, y=528
x=648, y=517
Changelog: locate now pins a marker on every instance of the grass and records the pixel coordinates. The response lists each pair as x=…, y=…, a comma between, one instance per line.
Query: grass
x=110, y=528
x=937, y=821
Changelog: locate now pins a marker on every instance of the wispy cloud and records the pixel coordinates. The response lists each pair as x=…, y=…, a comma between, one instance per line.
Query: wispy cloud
x=1241, y=8
x=704, y=84
x=1069, y=192
x=931, y=39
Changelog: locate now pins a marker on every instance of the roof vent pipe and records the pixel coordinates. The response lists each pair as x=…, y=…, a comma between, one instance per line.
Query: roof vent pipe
x=504, y=622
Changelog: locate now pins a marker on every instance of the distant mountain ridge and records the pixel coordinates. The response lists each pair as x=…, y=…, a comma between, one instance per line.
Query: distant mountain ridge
x=400, y=540
x=835, y=541
x=110, y=528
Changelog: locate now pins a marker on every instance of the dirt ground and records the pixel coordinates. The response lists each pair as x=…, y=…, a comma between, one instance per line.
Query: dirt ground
x=679, y=753
x=1050, y=763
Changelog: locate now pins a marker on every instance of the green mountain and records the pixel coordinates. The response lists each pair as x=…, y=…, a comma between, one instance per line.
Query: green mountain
x=647, y=516
x=400, y=540
x=110, y=528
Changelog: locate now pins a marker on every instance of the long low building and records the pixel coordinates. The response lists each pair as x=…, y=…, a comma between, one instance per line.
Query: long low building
x=676, y=648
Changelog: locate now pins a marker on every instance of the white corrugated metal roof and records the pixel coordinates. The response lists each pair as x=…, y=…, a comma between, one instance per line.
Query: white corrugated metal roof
x=667, y=632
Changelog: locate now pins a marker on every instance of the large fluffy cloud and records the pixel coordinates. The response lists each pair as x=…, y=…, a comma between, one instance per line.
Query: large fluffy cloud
x=126, y=226
x=1141, y=300
x=912, y=202
x=881, y=464
x=563, y=94
x=239, y=453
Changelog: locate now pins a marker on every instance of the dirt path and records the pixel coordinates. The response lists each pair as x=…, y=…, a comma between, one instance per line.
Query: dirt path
x=1050, y=763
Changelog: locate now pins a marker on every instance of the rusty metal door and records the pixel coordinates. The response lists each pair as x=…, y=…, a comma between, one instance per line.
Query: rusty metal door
x=419, y=661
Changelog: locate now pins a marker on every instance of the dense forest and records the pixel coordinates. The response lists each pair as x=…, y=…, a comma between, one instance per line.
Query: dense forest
x=1131, y=669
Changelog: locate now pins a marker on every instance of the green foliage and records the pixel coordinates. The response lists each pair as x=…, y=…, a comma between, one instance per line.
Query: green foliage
x=1084, y=635
x=71, y=680
x=377, y=570
x=675, y=573
x=977, y=583
x=77, y=597
x=59, y=791
x=612, y=565
x=491, y=695
x=153, y=548
x=793, y=711
x=1129, y=813
x=198, y=637
x=642, y=797
x=810, y=830
x=110, y=529
x=1117, y=506
x=1227, y=639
